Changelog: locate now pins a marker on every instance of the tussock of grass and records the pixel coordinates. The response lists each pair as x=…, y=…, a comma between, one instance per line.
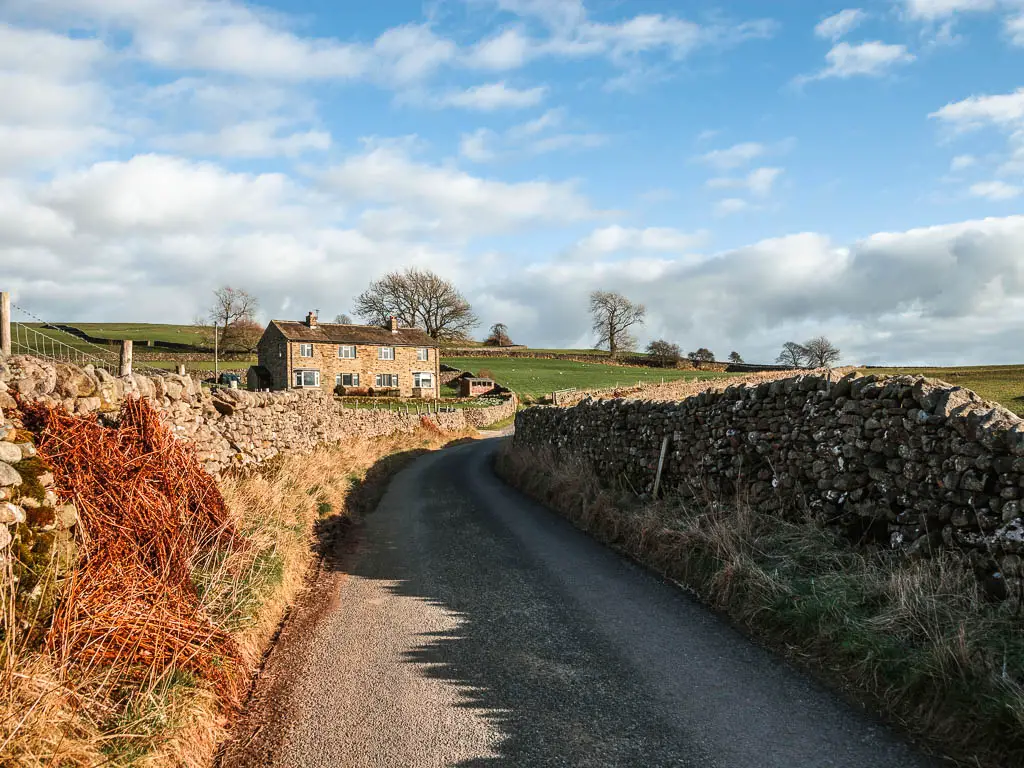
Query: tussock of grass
x=51, y=716
x=911, y=637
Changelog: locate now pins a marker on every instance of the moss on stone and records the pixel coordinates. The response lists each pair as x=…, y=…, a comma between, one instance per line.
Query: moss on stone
x=31, y=470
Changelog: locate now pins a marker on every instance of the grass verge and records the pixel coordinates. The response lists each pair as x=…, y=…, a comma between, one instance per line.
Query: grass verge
x=52, y=716
x=911, y=638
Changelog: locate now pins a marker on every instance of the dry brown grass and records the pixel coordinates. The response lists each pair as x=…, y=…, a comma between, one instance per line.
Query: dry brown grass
x=51, y=716
x=913, y=638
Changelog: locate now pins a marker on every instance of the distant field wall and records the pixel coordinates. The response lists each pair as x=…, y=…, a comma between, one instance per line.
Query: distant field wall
x=903, y=462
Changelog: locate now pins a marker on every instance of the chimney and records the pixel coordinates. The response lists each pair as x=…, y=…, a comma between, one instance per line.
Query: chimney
x=311, y=319
x=393, y=324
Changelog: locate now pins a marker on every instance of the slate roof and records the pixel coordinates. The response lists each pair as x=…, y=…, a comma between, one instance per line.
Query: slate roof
x=332, y=333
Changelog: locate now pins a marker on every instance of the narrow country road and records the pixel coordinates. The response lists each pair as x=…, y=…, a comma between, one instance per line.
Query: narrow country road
x=469, y=627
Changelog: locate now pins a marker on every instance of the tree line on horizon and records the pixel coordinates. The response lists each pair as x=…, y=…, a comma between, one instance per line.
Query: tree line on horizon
x=420, y=298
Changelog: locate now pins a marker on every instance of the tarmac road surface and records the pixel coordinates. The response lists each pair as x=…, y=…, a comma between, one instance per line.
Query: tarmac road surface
x=468, y=626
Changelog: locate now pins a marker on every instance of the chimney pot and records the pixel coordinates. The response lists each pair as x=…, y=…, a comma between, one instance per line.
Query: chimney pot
x=311, y=319
x=393, y=324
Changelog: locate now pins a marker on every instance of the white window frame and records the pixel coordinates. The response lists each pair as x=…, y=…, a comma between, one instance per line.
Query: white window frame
x=339, y=380
x=417, y=379
x=303, y=348
x=385, y=353
x=423, y=354
x=392, y=381
x=299, y=375
x=345, y=348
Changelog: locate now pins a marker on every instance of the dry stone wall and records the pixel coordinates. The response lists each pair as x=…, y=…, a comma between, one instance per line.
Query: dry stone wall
x=230, y=428
x=904, y=462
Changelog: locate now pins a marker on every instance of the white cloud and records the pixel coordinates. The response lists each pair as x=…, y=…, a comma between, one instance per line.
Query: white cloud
x=1004, y=112
x=939, y=295
x=46, y=53
x=840, y=24
x=976, y=111
x=734, y=156
x=730, y=205
x=256, y=138
x=532, y=138
x=938, y=9
x=960, y=162
x=617, y=239
x=230, y=37
x=870, y=59
x=167, y=194
x=493, y=96
x=759, y=181
x=54, y=111
x=995, y=190
x=453, y=201
x=509, y=49
x=1014, y=26
x=571, y=34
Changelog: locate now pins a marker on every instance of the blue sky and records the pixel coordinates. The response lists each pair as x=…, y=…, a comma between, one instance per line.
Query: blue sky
x=752, y=172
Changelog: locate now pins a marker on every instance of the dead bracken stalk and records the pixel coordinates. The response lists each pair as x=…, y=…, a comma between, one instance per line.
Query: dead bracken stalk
x=147, y=510
x=180, y=585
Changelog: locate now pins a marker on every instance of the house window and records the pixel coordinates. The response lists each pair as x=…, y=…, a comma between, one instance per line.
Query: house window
x=346, y=380
x=347, y=353
x=307, y=378
x=305, y=350
x=423, y=354
x=423, y=380
x=385, y=353
x=388, y=380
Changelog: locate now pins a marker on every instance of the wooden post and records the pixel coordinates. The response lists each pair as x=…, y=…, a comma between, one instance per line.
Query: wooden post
x=5, y=323
x=126, y=357
x=661, y=463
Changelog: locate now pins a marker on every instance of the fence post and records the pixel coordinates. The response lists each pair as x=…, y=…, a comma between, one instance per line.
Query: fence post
x=5, y=323
x=126, y=357
x=661, y=463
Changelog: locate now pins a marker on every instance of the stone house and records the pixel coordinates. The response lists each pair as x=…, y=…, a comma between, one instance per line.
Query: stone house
x=314, y=355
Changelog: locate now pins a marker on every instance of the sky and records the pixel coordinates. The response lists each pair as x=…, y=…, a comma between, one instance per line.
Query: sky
x=751, y=172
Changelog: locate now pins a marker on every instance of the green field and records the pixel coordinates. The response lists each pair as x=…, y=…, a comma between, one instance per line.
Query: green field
x=1003, y=384
x=538, y=377
x=180, y=334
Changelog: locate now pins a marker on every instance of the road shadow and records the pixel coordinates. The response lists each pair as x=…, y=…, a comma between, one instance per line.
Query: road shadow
x=520, y=655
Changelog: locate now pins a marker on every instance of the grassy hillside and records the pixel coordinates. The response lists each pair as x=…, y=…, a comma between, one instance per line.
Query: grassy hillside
x=1002, y=383
x=180, y=334
x=536, y=377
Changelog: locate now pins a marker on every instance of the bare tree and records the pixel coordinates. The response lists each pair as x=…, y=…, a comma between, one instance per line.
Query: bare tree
x=614, y=315
x=665, y=353
x=418, y=298
x=499, y=336
x=702, y=355
x=234, y=313
x=820, y=352
x=792, y=354
x=734, y=357
x=343, y=319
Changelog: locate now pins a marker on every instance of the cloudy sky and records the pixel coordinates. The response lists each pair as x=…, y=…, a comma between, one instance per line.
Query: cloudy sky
x=753, y=172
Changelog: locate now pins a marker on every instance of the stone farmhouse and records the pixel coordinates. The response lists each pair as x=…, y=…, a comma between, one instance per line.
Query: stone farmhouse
x=314, y=355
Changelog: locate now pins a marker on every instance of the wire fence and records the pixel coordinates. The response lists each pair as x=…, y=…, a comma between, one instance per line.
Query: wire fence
x=53, y=344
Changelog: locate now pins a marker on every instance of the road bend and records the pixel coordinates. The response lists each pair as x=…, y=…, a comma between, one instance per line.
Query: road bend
x=464, y=625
